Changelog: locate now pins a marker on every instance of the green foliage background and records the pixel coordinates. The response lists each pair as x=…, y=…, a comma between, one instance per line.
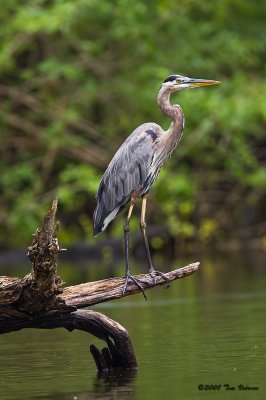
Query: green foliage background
x=76, y=77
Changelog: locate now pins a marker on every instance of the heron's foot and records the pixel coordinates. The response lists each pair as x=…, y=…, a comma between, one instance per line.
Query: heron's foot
x=137, y=282
x=153, y=273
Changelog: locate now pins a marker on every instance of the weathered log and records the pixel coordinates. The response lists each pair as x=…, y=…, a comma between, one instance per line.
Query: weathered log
x=39, y=301
x=118, y=354
x=88, y=294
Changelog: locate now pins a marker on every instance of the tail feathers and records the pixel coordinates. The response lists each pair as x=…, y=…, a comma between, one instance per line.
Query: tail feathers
x=102, y=218
x=96, y=230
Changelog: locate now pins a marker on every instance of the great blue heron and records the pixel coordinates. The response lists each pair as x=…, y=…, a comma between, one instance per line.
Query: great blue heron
x=135, y=166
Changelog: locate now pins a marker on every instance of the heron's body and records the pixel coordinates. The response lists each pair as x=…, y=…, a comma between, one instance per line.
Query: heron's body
x=137, y=163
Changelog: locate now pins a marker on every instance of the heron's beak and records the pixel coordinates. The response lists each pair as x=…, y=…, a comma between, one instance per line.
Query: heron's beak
x=202, y=82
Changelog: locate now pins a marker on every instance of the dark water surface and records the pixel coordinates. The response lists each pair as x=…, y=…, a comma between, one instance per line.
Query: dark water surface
x=207, y=329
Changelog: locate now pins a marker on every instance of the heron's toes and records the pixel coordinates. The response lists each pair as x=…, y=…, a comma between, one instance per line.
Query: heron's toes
x=137, y=282
x=153, y=273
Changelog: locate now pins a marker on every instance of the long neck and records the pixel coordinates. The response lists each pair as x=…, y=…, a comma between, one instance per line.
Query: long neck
x=174, y=133
x=163, y=100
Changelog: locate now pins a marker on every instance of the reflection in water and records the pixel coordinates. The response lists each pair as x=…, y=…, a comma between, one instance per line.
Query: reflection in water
x=114, y=384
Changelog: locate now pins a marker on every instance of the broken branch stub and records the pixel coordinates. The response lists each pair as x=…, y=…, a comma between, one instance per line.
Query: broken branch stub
x=41, y=286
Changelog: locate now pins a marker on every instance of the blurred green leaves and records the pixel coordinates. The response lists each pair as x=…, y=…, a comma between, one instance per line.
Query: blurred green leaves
x=78, y=77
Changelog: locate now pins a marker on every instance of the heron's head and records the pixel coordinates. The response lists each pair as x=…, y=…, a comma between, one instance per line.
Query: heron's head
x=178, y=82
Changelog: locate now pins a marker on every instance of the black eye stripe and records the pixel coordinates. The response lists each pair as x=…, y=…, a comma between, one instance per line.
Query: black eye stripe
x=171, y=78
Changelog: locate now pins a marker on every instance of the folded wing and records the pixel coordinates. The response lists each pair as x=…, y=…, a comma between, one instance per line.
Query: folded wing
x=127, y=172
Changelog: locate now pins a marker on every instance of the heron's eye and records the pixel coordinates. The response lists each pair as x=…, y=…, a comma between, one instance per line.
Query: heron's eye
x=178, y=80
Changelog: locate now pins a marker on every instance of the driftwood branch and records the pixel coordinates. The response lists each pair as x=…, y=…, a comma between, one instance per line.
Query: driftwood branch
x=88, y=294
x=39, y=300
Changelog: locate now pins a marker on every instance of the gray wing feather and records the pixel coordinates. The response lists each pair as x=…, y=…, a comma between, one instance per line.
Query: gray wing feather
x=127, y=171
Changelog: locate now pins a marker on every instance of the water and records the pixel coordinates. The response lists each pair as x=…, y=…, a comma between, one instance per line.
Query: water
x=207, y=329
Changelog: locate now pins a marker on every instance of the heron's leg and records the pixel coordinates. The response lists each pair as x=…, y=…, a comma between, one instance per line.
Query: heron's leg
x=143, y=225
x=128, y=276
x=144, y=234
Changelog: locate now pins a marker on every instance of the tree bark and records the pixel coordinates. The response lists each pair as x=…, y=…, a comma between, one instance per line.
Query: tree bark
x=39, y=300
